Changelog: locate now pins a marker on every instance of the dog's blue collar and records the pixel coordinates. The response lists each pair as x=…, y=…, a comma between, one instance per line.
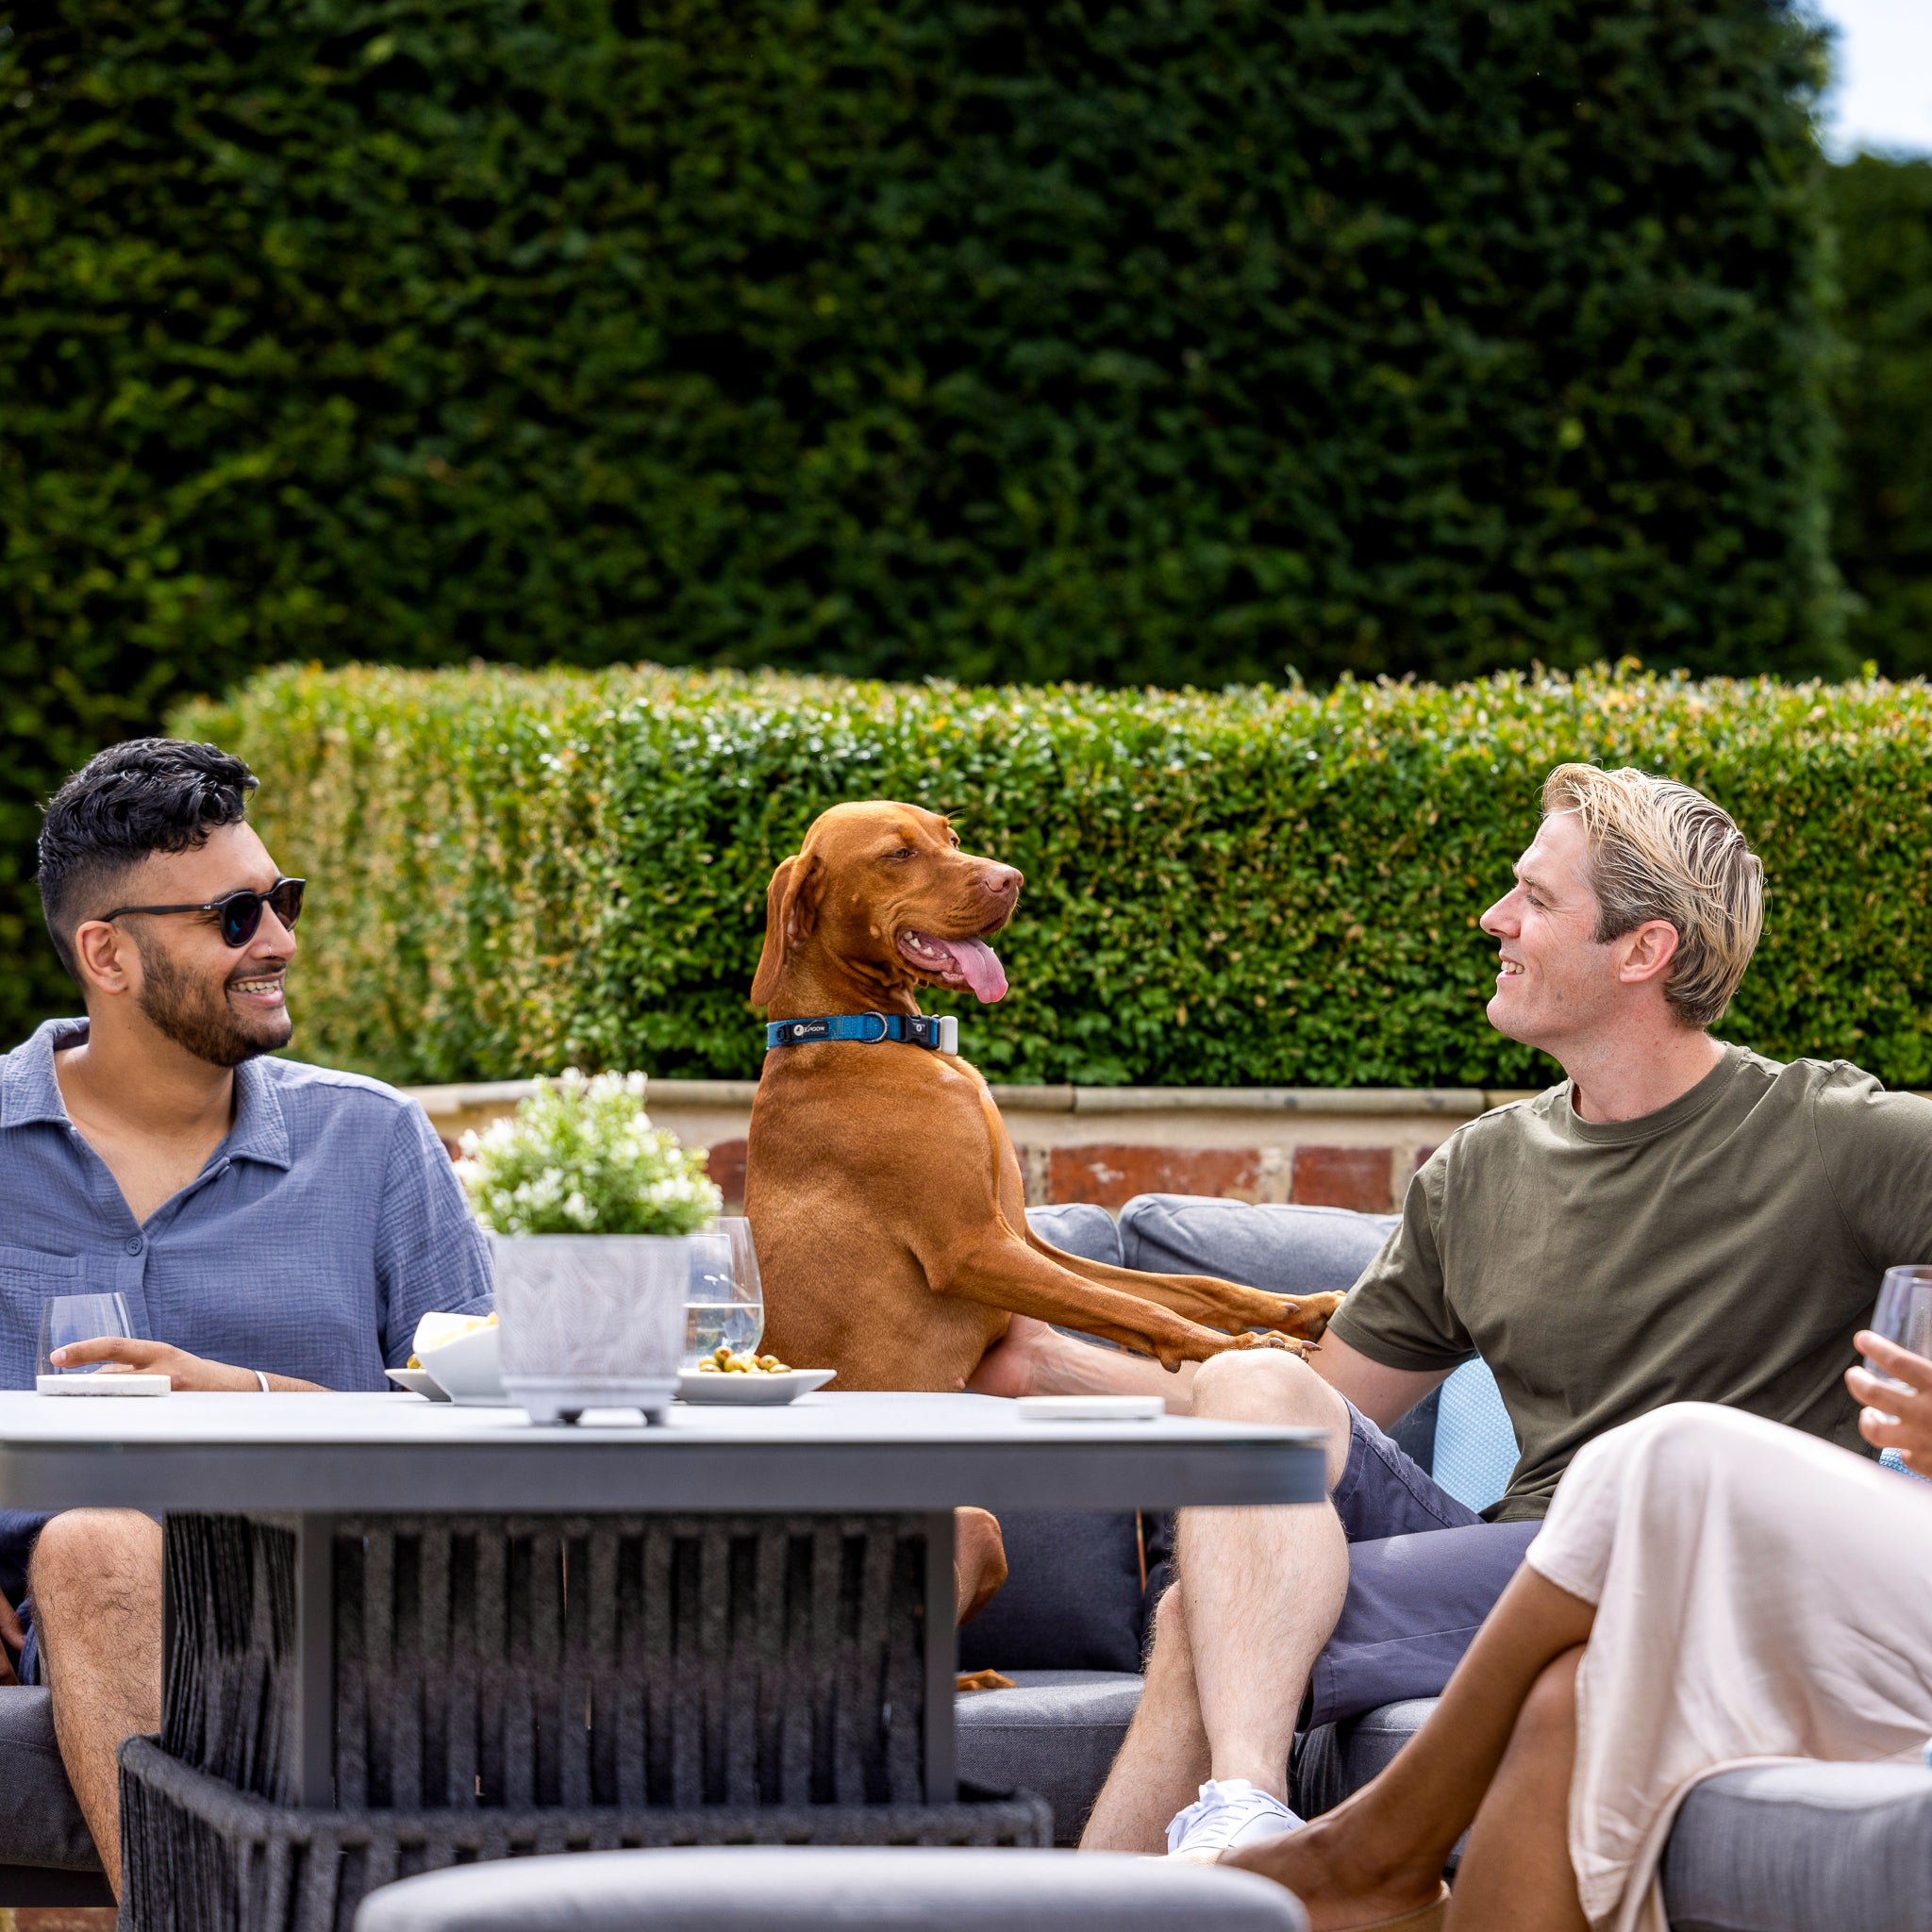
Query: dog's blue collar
x=936, y=1033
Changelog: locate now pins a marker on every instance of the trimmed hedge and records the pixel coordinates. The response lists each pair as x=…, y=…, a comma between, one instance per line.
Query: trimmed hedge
x=1158, y=341
x=1881, y=527
x=513, y=872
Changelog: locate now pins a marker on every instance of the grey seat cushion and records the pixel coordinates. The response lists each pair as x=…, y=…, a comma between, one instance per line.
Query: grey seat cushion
x=1054, y=1734
x=1804, y=1848
x=1773, y=1848
x=1289, y=1250
x=1078, y=1227
x=1332, y=1760
x=1335, y=1760
x=788, y=1889
x=39, y=1822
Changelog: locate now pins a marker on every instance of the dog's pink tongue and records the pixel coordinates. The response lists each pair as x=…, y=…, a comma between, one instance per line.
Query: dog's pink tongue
x=980, y=967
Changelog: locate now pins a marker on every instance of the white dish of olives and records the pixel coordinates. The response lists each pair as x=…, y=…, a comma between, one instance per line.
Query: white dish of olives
x=755, y=1380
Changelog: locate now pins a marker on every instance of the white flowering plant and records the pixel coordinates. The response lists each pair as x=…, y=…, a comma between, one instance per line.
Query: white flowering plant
x=580, y=1156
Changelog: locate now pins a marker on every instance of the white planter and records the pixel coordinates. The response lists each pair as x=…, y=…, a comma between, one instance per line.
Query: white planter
x=590, y=1321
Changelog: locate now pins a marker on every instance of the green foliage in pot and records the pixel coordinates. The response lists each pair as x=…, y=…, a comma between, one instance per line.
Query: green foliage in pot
x=581, y=1157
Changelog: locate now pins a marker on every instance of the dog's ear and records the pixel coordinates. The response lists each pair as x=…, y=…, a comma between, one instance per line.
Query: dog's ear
x=792, y=910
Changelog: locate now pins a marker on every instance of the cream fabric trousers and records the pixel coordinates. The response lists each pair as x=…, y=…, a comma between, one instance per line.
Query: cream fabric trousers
x=1760, y=1595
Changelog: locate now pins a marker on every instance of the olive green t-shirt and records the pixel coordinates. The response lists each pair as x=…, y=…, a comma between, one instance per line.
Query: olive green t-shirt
x=1726, y=1249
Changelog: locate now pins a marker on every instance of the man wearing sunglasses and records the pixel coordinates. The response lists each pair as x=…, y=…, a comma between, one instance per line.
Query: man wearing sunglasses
x=270, y=1226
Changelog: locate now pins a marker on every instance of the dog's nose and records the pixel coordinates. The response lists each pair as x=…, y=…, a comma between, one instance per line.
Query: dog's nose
x=1003, y=881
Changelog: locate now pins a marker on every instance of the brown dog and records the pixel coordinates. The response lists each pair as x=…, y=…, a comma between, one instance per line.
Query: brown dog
x=884, y=1195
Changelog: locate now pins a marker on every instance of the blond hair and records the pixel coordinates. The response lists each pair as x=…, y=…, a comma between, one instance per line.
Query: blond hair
x=1659, y=850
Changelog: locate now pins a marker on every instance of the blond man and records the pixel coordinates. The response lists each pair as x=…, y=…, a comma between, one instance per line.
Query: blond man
x=1680, y=1220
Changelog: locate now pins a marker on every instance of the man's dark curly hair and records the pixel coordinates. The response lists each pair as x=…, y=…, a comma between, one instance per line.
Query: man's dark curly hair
x=149, y=794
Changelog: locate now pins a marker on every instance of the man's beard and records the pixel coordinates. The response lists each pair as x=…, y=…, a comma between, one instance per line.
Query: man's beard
x=196, y=1016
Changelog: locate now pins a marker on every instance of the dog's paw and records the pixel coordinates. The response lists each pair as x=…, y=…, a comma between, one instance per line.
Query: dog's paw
x=1306, y=1315
x=982, y=1680
x=1294, y=1344
x=1272, y=1338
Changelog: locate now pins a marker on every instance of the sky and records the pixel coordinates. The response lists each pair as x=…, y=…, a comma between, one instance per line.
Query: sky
x=1882, y=100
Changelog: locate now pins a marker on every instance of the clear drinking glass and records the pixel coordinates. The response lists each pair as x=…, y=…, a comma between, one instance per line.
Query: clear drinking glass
x=1903, y=1315
x=725, y=1301
x=66, y=1318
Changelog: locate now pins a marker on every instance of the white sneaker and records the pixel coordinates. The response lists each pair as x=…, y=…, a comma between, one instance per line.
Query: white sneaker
x=1229, y=1812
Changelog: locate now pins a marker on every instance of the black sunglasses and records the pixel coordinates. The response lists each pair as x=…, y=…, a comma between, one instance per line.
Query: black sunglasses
x=241, y=912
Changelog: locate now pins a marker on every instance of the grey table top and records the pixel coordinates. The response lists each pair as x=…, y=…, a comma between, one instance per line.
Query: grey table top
x=357, y=1453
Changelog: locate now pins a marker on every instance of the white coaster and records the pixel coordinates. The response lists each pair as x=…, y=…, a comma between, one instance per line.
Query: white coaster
x=130, y=1382
x=1091, y=1409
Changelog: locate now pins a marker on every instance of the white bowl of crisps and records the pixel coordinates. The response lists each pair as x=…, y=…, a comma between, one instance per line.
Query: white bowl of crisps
x=754, y=1380
x=459, y=1356
x=418, y=1382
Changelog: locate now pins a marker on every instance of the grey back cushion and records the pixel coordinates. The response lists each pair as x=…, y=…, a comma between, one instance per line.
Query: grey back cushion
x=1078, y=1227
x=1291, y=1250
x=1072, y=1598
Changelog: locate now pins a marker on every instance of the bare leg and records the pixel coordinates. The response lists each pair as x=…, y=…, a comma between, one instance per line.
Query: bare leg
x=1260, y=1591
x=1516, y=1874
x=96, y=1587
x=1165, y=1747
x=1381, y=1852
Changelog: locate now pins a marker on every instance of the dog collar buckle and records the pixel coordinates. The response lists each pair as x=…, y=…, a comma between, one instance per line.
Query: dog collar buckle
x=935, y=1032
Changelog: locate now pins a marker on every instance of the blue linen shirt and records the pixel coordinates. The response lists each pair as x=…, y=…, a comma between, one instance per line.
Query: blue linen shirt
x=326, y=1225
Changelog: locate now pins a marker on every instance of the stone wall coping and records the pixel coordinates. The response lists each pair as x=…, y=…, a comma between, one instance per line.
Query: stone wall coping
x=1357, y=1100
x=1461, y=1102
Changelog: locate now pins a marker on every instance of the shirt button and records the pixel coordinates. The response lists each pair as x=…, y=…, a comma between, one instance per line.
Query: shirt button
x=135, y=1244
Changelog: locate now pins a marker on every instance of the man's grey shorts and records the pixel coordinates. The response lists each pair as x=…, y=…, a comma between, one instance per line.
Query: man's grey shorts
x=1424, y=1571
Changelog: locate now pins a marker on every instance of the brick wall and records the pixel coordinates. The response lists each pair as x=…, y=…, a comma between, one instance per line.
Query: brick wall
x=1111, y=1173
x=1107, y=1146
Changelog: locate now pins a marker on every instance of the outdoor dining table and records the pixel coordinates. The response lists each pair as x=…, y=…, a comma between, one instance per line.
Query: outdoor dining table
x=400, y=1634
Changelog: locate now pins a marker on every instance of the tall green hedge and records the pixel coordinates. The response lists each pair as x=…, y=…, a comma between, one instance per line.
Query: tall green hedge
x=1881, y=528
x=510, y=873
x=1130, y=340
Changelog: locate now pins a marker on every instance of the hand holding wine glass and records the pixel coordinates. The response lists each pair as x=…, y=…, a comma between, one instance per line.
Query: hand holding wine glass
x=1895, y=1383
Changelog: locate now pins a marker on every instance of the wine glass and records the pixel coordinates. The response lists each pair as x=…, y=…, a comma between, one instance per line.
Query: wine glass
x=1903, y=1315
x=68, y=1318
x=725, y=1301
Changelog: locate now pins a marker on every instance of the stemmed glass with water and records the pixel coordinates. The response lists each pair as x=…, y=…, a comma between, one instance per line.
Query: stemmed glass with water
x=725, y=1301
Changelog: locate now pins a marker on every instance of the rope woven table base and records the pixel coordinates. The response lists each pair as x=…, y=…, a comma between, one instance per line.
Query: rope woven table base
x=494, y=1660
x=501, y=1681
x=214, y=1859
